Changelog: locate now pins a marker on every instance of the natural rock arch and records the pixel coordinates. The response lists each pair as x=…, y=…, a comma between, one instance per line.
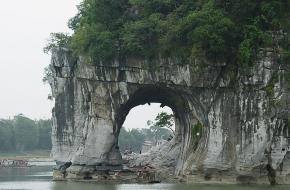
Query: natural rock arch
x=178, y=101
x=245, y=131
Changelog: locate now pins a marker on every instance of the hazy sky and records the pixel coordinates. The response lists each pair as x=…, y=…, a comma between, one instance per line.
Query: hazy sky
x=138, y=116
x=25, y=26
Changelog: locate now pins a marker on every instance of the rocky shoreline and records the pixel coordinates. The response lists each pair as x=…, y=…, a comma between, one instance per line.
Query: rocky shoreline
x=140, y=176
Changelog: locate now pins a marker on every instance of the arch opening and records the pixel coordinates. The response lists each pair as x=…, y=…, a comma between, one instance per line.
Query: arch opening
x=146, y=127
x=188, y=128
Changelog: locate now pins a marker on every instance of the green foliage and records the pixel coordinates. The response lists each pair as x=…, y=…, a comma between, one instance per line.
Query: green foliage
x=221, y=31
x=44, y=134
x=140, y=37
x=25, y=128
x=271, y=85
x=197, y=130
x=22, y=134
x=131, y=140
x=254, y=38
x=97, y=28
x=6, y=136
x=162, y=127
x=258, y=24
x=57, y=40
x=94, y=41
x=209, y=33
x=48, y=73
x=270, y=90
x=285, y=56
x=163, y=120
x=134, y=139
x=196, y=133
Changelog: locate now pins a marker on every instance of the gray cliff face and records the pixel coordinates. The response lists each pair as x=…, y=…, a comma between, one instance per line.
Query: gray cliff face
x=245, y=123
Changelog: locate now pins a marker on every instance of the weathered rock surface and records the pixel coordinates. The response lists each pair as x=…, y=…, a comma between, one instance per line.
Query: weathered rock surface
x=245, y=135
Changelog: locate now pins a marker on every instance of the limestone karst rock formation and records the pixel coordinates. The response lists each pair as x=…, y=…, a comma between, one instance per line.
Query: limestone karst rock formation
x=245, y=133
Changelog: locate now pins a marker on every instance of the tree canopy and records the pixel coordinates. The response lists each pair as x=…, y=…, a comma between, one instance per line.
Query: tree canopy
x=162, y=120
x=23, y=134
x=227, y=31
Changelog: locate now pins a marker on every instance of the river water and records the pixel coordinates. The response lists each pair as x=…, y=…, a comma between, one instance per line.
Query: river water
x=40, y=178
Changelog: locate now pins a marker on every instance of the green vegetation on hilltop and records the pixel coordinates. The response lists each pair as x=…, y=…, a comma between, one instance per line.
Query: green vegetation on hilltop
x=221, y=31
x=23, y=134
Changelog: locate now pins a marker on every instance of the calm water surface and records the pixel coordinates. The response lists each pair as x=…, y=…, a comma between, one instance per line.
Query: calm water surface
x=40, y=178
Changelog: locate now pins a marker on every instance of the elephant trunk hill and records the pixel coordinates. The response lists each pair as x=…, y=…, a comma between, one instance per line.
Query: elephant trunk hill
x=243, y=120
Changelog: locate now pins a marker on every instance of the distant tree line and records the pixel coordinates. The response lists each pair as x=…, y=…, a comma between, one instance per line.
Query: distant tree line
x=160, y=128
x=24, y=134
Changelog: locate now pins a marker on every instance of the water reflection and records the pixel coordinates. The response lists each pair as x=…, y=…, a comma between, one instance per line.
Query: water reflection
x=198, y=187
x=75, y=186
x=40, y=177
x=26, y=185
x=36, y=173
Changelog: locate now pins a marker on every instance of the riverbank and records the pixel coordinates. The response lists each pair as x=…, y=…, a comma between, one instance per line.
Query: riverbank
x=31, y=156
